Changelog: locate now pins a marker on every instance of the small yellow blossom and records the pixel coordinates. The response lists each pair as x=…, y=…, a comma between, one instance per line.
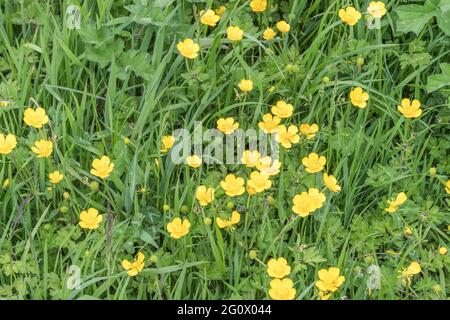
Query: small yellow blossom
x=227, y=126
x=359, y=98
x=133, y=268
x=447, y=187
x=268, y=166
x=209, y=17
x=259, y=182
x=407, y=231
x=188, y=48
x=313, y=163
x=178, y=228
x=90, y=219
x=42, y=148
x=232, y=185
x=35, y=118
x=329, y=281
x=220, y=11
x=282, y=109
x=270, y=123
x=167, y=143
x=395, y=203
x=246, y=85
x=282, y=289
x=306, y=203
x=410, y=271
x=102, y=167
x=278, y=268
x=228, y=223
x=287, y=136
x=7, y=143
x=283, y=26
x=269, y=34
x=442, y=251
x=194, y=161
x=410, y=110
x=234, y=33
x=204, y=195
x=331, y=183
x=55, y=177
x=258, y=5
x=376, y=9
x=350, y=15
x=309, y=130
x=250, y=158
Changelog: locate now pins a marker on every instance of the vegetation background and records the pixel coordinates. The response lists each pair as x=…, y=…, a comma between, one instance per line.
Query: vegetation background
x=118, y=84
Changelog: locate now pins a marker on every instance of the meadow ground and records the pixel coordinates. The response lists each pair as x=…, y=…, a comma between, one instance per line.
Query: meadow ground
x=92, y=204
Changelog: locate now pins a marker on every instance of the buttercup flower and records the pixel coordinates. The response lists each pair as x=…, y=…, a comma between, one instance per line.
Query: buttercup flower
x=42, y=148
x=409, y=272
x=410, y=109
x=178, y=228
x=102, y=167
x=194, y=161
x=133, y=268
x=232, y=185
x=35, y=118
x=442, y=251
x=227, y=125
x=188, y=48
x=246, y=85
x=90, y=219
x=234, y=33
x=287, y=137
x=269, y=34
x=407, y=231
x=350, y=16
x=329, y=281
x=395, y=203
x=204, y=195
x=209, y=18
x=313, y=163
x=282, y=109
x=258, y=5
x=265, y=165
x=278, y=268
x=308, y=202
x=250, y=190
x=167, y=142
x=228, y=223
x=270, y=123
x=283, y=26
x=7, y=143
x=376, y=9
x=309, y=130
x=259, y=182
x=55, y=177
x=331, y=183
x=220, y=11
x=359, y=98
x=447, y=187
x=282, y=289
x=317, y=198
x=250, y=158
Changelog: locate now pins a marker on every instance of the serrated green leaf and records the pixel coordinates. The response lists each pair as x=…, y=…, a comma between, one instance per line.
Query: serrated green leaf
x=441, y=80
x=413, y=17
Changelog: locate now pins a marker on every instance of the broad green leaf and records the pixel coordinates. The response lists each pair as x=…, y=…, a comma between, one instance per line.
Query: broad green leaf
x=441, y=80
x=413, y=17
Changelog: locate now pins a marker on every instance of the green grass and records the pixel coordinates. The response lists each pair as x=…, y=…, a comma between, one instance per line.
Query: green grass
x=121, y=76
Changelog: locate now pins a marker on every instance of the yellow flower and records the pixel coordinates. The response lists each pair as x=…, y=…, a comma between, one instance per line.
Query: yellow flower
x=5, y=184
x=258, y=5
x=220, y=11
x=250, y=158
x=4, y=103
x=209, y=18
x=283, y=26
x=188, y=48
x=102, y=167
x=43, y=148
x=133, y=268
x=55, y=177
x=204, y=195
x=313, y=163
x=265, y=165
x=287, y=137
x=282, y=109
x=359, y=98
x=329, y=281
x=442, y=251
x=227, y=126
x=250, y=190
x=395, y=203
x=309, y=130
x=447, y=187
x=282, y=289
x=376, y=9
x=90, y=219
x=246, y=85
x=259, y=182
x=410, y=109
x=350, y=15
x=410, y=271
x=167, y=142
x=232, y=185
x=308, y=202
x=194, y=161
x=7, y=143
x=407, y=231
x=234, y=33
x=278, y=268
x=269, y=34
x=178, y=228
x=228, y=223
x=35, y=118
x=270, y=123
x=331, y=183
